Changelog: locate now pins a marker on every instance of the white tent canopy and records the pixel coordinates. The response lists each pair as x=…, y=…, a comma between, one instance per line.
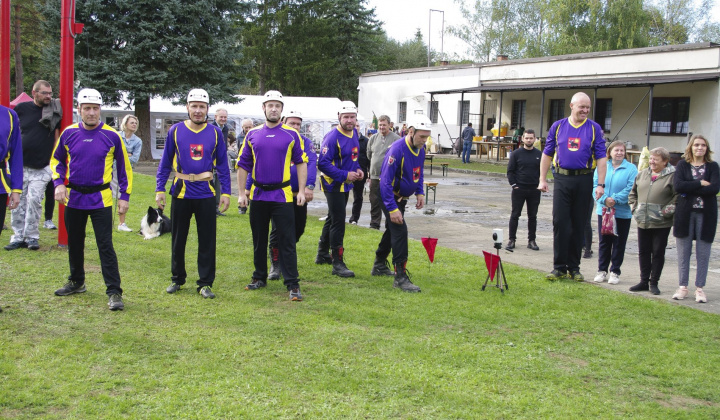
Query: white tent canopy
x=319, y=116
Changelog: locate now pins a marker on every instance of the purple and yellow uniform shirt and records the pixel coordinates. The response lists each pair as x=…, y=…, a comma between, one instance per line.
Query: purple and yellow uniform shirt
x=11, y=156
x=575, y=147
x=267, y=155
x=311, y=169
x=338, y=157
x=189, y=151
x=402, y=173
x=85, y=158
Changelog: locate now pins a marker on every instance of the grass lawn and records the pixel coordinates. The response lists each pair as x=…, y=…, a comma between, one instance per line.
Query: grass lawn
x=354, y=348
x=474, y=165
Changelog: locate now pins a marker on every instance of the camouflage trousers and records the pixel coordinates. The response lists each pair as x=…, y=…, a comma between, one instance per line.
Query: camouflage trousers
x=25, y=219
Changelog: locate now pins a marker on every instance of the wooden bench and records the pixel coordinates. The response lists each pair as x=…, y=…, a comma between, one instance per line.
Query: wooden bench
x=445, y=168
x=430, y=158
x=430, y=186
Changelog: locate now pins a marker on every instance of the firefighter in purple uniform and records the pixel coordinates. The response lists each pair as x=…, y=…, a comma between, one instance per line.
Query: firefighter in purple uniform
x=11, y=162
x=293, y=119
x=401, y=177
x=194, y=148
x=268, y=152
x=339, y=165
x=85, y=153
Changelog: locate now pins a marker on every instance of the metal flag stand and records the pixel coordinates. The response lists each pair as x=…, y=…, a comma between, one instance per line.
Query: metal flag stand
x=500, y=278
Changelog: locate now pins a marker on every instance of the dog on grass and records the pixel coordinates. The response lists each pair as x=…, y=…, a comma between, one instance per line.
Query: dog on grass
x=154, y=223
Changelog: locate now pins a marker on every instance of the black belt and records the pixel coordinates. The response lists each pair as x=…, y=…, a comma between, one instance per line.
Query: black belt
x=271, y=187
x=83, y=189
x=562, y=171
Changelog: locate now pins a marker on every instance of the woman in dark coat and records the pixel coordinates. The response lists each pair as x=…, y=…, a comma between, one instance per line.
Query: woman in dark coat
x=697, y=182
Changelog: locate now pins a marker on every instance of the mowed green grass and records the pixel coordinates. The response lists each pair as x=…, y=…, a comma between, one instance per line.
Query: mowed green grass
x=354, y=348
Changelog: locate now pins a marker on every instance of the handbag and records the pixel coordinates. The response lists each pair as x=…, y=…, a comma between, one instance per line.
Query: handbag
x=609, y=227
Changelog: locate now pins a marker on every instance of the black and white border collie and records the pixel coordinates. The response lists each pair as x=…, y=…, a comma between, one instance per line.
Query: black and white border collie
x=154, y=223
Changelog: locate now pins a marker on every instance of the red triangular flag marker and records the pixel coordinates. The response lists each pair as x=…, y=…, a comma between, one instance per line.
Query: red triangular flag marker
x=491, y=262
x=430, y=244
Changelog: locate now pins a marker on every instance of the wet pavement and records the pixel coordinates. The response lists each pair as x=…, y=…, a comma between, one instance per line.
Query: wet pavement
x=468, y=206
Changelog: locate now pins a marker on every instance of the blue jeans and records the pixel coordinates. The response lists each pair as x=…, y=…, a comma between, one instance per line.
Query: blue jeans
x=467, y=149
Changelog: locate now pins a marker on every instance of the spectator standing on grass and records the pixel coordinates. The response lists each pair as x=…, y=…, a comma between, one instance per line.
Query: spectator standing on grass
x=82, y=156
x=267, y=154
x=246, y=125
x=576, y=146
x=221, y=116
x=652, y=200
x=133, y=144
x=376, y=149
x=523, y=173
x=402, y=176
x=338, y=162
x=39, y=128
x=193, y=150
x=697, y=182
x=467, y=136
x=11, y=162
x=359, y=185
x=619, y=180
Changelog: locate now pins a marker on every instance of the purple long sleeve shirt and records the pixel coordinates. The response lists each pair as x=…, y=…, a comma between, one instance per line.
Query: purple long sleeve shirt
x=402, y=173
x=311, y=169
x=86, y=158
x=11, y=156
x=338, y=157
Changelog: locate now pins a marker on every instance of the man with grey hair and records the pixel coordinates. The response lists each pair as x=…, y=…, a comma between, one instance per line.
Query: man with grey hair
x=376, y=149
x=39, y=129
x=576, y=146
x=221, y=117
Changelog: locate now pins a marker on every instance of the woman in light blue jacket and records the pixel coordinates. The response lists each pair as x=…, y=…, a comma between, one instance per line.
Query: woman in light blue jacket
x=619, y=181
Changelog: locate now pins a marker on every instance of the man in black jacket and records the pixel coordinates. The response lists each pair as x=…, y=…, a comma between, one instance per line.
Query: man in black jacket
x=523, y=173
x=359, y=185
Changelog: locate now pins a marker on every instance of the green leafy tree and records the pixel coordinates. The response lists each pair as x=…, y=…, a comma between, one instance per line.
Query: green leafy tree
x=133, y=50
x=28, y=41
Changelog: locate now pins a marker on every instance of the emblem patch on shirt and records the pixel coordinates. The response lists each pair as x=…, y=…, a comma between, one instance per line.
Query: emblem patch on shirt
x=391, y=160
x=324, y=150
x=354, y=154
x=573, y=144
x=416, y=174
x=196, y=151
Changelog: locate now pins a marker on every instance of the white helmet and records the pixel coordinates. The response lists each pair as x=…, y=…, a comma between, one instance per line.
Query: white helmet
x=198, y=95
x=420, y=122
x=294, y=114
x=89, y=96
x=347, y=107
x=273, y=95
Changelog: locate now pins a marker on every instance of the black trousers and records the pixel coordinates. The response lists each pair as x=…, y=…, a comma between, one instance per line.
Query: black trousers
x=180, y=214
x=333, y=231
x=587, y=236
x=570, y=215
x=75, y=224
x=375, y=204
x=300, y=222
x=358, y=190
x=49, y=200
x=3, y=209
x=283, y=218
x=611, y=249
x=651, y=247
x=519, y=197
x=394, y=238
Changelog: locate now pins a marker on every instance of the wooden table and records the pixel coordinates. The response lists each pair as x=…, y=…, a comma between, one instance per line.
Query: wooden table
x=490, y=145
x=429, y=157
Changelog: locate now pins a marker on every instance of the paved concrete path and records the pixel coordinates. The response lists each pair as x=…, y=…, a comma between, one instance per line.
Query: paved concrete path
x=469, y=206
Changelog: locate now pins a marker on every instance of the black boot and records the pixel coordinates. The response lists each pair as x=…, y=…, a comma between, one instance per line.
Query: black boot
x=339, y=267
x=274, y=264
x=640, y=287
x=381, y=267
x=323, y=256
x=402, y=280
x=653, y=288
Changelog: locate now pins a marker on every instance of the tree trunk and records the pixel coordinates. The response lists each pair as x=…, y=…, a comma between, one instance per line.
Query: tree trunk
x=19, y=84
x=142, y=112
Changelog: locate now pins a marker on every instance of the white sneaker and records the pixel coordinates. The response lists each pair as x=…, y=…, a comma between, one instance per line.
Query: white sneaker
x=122, y=227
x=681, y=293
x=49, y=225
x=700, y=296
x=600, y=277
x=614, y=278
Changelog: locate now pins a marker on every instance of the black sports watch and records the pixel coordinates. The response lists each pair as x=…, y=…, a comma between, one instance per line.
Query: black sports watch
x=601, y=185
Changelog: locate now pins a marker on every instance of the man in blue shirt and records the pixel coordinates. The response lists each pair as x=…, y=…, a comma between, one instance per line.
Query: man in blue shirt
x=467, y=135
x=401, y=177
